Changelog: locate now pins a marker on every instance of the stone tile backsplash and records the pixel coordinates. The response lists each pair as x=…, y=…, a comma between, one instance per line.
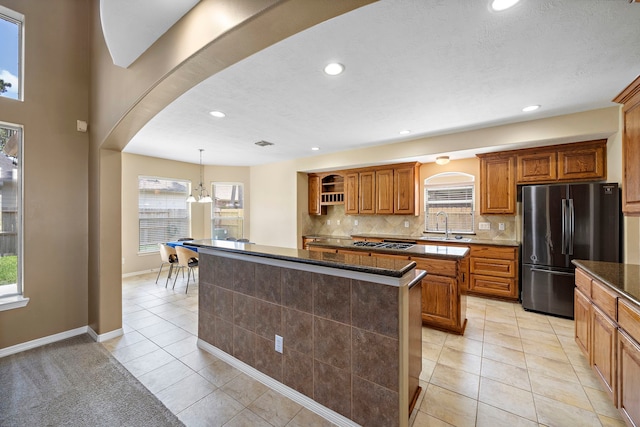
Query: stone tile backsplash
x=336, y=223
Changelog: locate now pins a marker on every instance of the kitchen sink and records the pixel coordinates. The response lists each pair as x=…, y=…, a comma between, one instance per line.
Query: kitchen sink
x=444, y=239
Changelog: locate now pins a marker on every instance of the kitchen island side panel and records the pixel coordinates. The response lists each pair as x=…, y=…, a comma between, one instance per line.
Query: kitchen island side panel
x=333, y=330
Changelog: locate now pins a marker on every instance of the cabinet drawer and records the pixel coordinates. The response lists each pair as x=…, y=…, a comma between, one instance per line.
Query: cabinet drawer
x=604, y=298
x=436, y=267
x=488, y=285
x=629, y=319
x=493, y=252
x=583, y=281
x=493, y=267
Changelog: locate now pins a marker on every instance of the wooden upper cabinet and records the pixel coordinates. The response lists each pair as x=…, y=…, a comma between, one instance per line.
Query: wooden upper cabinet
x=384, y=191
x=582, y=162
x=351, y=195
x=497, y=184
x=537, y=167
x=405, y=190
x=314, y=195
x=367, y=191
x=630, y=97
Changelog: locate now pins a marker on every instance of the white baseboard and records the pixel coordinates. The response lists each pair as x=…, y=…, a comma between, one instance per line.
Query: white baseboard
x=138, y=273
x=7, y=351
x=104, y=337
x=292, y=394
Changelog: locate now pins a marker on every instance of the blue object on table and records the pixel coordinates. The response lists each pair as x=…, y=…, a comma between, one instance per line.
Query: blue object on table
x=174, y=244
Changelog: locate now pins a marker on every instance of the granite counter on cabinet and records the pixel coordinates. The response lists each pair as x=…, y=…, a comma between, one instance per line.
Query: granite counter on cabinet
x=622, y=278
x=425, y=251
x=352, y=336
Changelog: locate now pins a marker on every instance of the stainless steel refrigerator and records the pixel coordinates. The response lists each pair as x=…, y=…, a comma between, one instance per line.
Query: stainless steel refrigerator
x=562, y=222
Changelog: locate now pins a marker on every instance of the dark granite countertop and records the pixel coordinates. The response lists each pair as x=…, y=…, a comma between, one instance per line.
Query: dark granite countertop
x=421, y=250
x=624, y=278
x=388, y=267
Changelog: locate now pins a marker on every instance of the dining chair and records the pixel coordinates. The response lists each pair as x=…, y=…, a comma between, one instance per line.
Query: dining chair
x=186, y=259
x=168, y=256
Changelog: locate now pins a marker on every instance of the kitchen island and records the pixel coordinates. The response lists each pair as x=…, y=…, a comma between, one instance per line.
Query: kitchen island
x=331, y=332
x=444, y=287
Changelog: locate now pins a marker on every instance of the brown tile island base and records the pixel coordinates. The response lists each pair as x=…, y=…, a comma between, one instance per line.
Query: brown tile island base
x=351, y=340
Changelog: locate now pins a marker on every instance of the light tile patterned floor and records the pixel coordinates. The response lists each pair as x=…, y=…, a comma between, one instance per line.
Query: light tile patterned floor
x=511, y=368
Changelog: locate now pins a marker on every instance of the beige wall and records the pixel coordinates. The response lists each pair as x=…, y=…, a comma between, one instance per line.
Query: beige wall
x=56, y=85
x=133, y=166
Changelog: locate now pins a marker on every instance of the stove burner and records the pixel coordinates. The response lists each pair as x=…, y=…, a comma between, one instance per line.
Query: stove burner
x=383, y=245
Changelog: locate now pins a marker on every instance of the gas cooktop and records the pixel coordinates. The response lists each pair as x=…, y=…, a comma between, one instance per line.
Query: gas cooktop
x=384, y=245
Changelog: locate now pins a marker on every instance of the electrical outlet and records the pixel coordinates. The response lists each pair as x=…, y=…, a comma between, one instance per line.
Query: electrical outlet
x=338, y=222
x=406, y=224
x=501, y=226
x=328, y=222
x=278, y=343
x=355, y=222
x=484, y=226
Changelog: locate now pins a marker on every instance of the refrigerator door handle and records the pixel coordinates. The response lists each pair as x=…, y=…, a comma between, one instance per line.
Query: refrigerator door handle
x=572, y=223
x=564, y=227
x=557, y=273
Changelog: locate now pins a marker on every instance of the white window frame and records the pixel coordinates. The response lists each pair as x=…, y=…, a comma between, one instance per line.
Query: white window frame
x=215, y=231
x=453, y=182
x=14, y=298
x=149, y=246
x=17, y=18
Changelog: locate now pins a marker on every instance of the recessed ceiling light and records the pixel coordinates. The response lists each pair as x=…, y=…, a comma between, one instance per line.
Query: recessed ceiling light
x=334, y=69
x=405, y=132
x=499, y=5
x=315, y=148
x=530, y=108
x=218, y=114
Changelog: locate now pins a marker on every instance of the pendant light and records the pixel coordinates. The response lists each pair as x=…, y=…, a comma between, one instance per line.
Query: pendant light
x=203, y=195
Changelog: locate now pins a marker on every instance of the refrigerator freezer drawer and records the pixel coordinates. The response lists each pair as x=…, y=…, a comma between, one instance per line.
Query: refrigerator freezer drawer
x=548, y=290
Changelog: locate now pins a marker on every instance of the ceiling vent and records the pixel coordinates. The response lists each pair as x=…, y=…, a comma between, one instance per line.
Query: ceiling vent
x=264, y=143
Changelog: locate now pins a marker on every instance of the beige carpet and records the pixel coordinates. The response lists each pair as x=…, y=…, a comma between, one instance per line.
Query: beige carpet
x=75, y=382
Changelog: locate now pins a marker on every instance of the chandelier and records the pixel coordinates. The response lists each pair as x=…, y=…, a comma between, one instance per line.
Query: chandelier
x=201, y=192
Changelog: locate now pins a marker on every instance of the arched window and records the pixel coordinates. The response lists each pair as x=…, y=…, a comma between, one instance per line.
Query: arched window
x=453, y=194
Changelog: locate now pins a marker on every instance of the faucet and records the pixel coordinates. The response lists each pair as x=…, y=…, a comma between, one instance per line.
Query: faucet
x=446, y=223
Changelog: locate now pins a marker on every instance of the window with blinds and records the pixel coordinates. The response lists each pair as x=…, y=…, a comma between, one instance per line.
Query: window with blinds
x=227, y=210
x=456, y=201
x=163, y=211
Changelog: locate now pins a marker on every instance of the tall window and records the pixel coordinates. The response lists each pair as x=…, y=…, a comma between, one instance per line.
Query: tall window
x=10, y=53
x=10, y=210
x=163, y=211
x=227, y=210
x=453, y=194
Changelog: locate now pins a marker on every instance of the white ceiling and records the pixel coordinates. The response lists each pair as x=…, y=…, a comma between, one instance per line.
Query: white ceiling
x=431, y=66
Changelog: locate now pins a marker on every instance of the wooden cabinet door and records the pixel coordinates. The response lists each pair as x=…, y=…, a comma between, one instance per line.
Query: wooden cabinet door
x=576, y=164
x=497, y=185
x=384, y=191
x=404, y=191
x=439, y=296
x=582, y=322
x=538, y=167
x=629, y=379
x=630, y=97
x=603, y=350
x=314, y=195
x=367, y=181
x=351, y=195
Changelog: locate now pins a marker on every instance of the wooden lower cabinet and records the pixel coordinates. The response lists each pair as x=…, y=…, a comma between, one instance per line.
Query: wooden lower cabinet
x=582, y=322
x=494, y=272
x=629, y=379
x=604, y=338
x=443, y=293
